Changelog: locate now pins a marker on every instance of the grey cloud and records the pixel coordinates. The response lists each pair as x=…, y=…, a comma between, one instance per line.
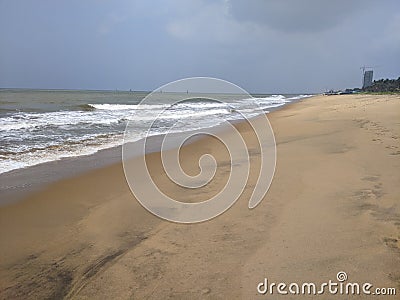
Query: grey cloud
x=297, y=16
x=264, y=46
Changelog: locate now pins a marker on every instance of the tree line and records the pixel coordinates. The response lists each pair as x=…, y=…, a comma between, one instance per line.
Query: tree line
x=384, y=86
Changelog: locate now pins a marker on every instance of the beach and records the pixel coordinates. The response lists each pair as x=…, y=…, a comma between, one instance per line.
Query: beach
x=333, y=206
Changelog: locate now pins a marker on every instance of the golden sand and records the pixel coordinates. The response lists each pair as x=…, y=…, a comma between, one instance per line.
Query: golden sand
x=334, y=205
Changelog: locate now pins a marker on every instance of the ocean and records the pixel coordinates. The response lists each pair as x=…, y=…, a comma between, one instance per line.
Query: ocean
x=38, y=126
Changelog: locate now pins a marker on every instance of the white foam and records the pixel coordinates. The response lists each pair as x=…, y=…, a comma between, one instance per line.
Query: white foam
x=29, y=159
x=107, y=106
x=37, y=137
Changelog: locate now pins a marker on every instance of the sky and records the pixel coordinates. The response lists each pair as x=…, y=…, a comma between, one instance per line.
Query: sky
x=263, y=46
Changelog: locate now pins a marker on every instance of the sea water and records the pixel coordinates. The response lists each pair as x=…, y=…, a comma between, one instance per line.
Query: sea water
x=38, y=126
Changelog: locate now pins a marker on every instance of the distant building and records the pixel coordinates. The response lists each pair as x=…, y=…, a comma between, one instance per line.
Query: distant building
x=367, y=81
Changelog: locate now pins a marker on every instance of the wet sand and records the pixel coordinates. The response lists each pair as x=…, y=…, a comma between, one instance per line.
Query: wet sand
x=333, y=206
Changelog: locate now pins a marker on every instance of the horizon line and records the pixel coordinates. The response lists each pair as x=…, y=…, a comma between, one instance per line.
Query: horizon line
x=142, y=91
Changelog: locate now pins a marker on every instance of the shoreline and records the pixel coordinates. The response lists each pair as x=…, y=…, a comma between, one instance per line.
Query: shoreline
x=332, y=206
x=16, y=184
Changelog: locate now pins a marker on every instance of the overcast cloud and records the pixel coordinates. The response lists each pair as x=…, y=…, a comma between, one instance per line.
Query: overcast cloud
x=273, y=46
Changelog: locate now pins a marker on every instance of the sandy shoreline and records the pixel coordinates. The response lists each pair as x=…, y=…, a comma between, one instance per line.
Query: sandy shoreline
x=15, y=185
x=333, y=206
